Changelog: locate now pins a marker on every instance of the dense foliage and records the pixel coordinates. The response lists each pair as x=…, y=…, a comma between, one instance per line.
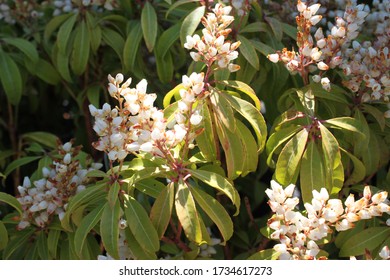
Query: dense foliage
x=226, y=130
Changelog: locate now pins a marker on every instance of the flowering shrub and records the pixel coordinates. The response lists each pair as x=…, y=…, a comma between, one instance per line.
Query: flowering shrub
x=191, y=129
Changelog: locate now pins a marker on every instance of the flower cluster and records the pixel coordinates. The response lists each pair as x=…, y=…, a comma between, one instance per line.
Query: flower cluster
x=321, y=52
x=137, y=126
x=212, y=47
x=24, y=11
x=298, y=233
x=66, y=6
x=49, y=195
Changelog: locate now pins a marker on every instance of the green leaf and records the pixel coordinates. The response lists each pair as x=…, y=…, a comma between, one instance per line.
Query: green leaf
x=10, y=78
x=187, y=213
x=330, y=148
x=53, y=24
x=18, y=241
x=244, y=88
x=368, y=239
x=18, y=163
x=160, y=214
x=290, y=157
x=255, y=27
x=191, y=22
x=45, y=138
x=289, y=30
x=130, y=50
x=149, y=25
x=151, y=187
x=177, y=4
x=25, y=47
x=277, y=139
x=135, y=248
x=223, y=110
x=145, y=173
x=113, y=193
x=81, y=47
x=312, y=171
x=3, y=236
x=346, y=123
x=114, y=40
x=206, y=140
x=81, y=199
x=371, y=156
x=253, y=116
x=64, y=33
x=220, y=183
x=87, y=224
x=52, y=242
x=376, y=113
x=215, y=211
x=276, y=27
x=262, y=48
x=167, y=39
x=42, y=244
x=140, y=225
x=109, y=228
x=359, y=170
x=168, y=97
x=250, y=155
x=165, y=67
x=47, y=72
x=268, y=254
x=95, y=31
x=93, y=95
x=249, y=52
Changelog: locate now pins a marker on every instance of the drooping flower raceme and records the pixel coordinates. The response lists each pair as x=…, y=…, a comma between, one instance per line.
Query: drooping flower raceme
x=48, y=196
x=137, y=126
x=298, y=233
x=212, y=47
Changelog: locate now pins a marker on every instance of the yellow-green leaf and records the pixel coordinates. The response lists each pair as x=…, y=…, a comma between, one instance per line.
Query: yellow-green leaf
x=109, y=228
x=191, y=22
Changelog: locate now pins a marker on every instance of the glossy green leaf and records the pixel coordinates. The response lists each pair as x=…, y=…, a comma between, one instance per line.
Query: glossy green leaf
x=53, y=24
x=93, y=95
x=249, y=52
x=343, y=236
x=244, y=88
x=165, y=67
x=145, y=173
x=277, y=139
x=81, y=47
x=96, y=32
x=109, y=228
x=140, y=225
x=3, y=236
x=64, y=33
x=130, y=50
x=10, y=78
x=206, y=140
x=289, y=30
x=82, y=198
x=45, y=138
x=47, y=72
x=371, y=155
x=359, y=170
x=18, y=163
x=25, y=47
x=223, y=110
x=149, y=25
x=167, y=39
x=262, y=48
x=346, y=123
x=52, y=242
x=42, y=244
x=255, y=27
x=18, y=241
x=168, y=97
x=287, y=166
x=151, y=187
x=368, y=239
x=215, y=211
x=191, y=22
x=253, y=116
x=135, y=248
x=113, y=193
x=187, y=213
x=177, y=4
x=220, y=183
x=312, y=170
x=161, y=211
x=87, y=224
x=268, y=254
x=250, y=155
x=114, y=40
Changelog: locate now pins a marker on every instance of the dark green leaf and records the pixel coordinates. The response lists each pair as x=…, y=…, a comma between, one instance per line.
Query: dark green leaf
x=63, y=36
x=130, y=50
x=113, y=193
x=18, y=241
x=24, y=46
x=109, y=228
x=135, y=248
x=81, y=47
x=149, y=25
x=53, y=24
x=140, y=225
x=114, y=40
x=255, y=27
x=359, y=170
x=44, y=138
x=18, y=163
x=47, y=72
x=377, y=114
x=206, y=140
x=10, y=78
x=43, y=250
x=276, y=27
x=249, y=52
x=52, y=242
x=3, y=236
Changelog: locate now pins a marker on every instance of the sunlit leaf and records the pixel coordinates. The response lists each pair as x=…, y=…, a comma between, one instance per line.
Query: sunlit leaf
x=109, y=228
x=191, y=22
x=268, y=254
